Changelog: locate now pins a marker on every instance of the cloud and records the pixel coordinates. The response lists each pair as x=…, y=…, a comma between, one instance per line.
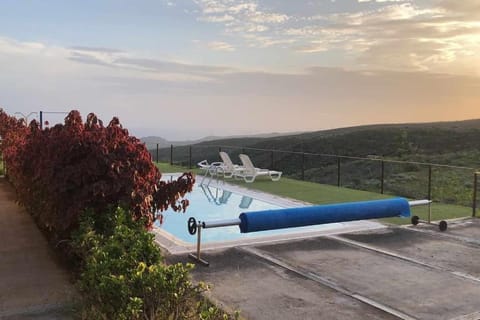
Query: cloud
x=9, y=46
x=243, y=18
x=314, y=47
x=95, y=49
x=380, y=1
x=170, y=67
x=440, y=36
x=219, y=19
x=175, y=98
x=118, y=63
x=398, y=35
x=220, y=46
x=118, y=59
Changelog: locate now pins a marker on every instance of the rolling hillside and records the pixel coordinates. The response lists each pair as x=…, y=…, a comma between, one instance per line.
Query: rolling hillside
x=445, y=143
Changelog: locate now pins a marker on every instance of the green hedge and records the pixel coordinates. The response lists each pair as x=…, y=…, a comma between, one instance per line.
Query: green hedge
x=123, y=275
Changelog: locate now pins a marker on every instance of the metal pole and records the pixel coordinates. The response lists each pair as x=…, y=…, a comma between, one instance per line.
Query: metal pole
x=429, y=193
x=382, y=178
x=199, y=238
x=338, y=171
x=475, y=185
x=416, y=203
x=190, y=157
x=41, y=119
x=303, y=166
x=157, y=152
x=171, y=154
x=221, y=223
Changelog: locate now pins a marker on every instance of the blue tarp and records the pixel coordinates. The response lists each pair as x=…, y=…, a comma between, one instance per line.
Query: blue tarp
x=312, y=215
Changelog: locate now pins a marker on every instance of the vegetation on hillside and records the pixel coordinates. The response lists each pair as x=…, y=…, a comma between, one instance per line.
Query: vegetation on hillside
x=448, y=144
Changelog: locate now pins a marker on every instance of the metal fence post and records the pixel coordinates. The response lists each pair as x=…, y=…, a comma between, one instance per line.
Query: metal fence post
x=157, y=152
x=429, y=197
x=190, y=157
x=171, y=154
x=382, y=178
x=303, y=165
x=475, y=185
x=41, y=120
x=429, y=194
x=338, y=171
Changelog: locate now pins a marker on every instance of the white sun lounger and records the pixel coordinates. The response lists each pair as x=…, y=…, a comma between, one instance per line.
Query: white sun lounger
x=228, y=168
x=249, y=172
x=212, y=168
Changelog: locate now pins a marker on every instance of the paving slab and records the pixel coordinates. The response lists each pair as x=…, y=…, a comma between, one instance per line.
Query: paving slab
x=469, y=228
x=260, y=289
x=32, y=284
x=463, y=228
x=417, y=291
x=431, y=248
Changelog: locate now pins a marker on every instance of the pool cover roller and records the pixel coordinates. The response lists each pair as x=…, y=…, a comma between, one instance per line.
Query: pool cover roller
x=305, y=216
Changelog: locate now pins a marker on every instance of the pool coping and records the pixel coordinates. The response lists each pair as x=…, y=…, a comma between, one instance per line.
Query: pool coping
x=174, y=245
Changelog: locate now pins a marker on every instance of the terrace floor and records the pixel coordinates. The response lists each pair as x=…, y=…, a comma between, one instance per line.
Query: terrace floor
x=390, y=273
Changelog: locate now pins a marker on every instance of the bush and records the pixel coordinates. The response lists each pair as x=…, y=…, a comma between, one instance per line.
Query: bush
x=58, y=172
x=124, y=277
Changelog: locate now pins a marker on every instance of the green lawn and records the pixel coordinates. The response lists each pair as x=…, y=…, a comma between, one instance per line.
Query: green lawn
x=321, y=194
x=167, y=168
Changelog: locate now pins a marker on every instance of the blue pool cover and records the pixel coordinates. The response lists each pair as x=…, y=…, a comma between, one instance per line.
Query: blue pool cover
x=321, y=214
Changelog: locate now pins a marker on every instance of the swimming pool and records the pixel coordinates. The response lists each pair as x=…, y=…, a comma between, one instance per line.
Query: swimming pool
x=222, y=202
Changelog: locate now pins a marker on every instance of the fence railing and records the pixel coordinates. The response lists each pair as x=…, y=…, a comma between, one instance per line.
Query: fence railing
x=438, y=182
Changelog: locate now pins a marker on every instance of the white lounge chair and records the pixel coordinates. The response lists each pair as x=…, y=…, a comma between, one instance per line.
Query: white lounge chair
x=249, y=172
x=210, y=168
x=228, y=168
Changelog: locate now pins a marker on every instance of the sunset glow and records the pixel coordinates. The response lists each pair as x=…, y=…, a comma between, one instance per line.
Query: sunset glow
x=191, y=68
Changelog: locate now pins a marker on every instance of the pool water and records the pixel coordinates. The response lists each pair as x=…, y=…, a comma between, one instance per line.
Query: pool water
x=209, y=203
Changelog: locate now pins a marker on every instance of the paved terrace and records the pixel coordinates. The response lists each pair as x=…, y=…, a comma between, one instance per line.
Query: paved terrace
x=32, y=284
x=389, y=273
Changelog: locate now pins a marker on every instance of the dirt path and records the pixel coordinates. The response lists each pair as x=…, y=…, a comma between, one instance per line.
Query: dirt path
x=32, y=284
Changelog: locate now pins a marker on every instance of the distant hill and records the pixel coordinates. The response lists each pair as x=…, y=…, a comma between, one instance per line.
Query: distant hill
x=152, y=141
x=412, y=141
x=454, y=143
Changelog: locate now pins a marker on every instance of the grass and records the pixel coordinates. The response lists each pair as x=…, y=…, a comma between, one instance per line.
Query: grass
x=322, y=194
x=165, y=167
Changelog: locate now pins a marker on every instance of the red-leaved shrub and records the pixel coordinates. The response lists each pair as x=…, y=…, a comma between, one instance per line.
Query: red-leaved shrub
x=60, y=171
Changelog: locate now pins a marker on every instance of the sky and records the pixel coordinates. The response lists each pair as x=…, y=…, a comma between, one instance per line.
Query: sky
x=185, y=69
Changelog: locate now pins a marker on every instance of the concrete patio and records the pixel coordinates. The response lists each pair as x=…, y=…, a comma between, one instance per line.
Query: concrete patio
x=390, y=273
